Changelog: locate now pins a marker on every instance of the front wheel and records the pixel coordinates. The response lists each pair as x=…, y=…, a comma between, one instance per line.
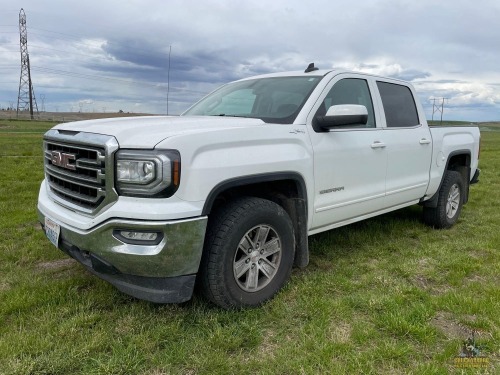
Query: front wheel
x=248, y=254
x=450, y=201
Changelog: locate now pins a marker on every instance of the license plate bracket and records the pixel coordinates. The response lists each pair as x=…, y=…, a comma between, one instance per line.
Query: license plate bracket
x=52, y=231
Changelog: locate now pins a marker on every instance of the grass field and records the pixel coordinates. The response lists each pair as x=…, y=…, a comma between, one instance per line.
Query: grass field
x=384, y=296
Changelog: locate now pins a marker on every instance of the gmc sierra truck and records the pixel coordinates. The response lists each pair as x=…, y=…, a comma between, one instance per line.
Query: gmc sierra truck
x=226, y=194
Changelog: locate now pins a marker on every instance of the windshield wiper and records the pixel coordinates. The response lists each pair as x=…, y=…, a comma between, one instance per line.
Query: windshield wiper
x=223, y=114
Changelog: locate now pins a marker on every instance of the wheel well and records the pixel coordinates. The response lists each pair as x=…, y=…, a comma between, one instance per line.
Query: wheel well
x=287, y=191
x=458, y=161
x=461, y=164
x=276, y=191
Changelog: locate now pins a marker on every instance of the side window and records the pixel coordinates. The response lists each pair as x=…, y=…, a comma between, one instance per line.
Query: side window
x=349, y=91
x=399, y=105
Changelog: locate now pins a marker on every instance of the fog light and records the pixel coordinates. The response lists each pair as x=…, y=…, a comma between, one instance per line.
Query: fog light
x=138, y=237
x=141, y=236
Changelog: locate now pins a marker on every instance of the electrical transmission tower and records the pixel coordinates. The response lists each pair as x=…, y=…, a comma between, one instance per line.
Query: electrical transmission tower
x=26, y=99
x=439, y=107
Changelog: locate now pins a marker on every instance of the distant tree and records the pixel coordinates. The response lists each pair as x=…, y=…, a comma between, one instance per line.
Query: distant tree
x=120, y=111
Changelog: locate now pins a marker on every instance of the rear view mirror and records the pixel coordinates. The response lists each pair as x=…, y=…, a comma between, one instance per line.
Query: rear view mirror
x=344, y=114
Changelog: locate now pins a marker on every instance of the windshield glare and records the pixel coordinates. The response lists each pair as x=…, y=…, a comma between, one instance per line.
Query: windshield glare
x=276, y=99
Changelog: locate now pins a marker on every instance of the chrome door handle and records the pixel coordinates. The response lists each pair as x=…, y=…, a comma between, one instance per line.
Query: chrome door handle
x=425, y=141
x=377, y=144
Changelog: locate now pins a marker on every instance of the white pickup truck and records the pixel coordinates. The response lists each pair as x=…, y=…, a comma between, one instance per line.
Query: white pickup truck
x=227, y=194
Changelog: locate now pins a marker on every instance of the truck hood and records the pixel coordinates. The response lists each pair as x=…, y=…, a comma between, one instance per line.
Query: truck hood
x=146, y=132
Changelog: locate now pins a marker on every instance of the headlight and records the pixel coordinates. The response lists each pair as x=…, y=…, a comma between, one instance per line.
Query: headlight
x=153, y=173
x=135, y=171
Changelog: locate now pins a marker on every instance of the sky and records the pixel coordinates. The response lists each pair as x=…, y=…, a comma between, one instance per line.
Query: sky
x=106, y=56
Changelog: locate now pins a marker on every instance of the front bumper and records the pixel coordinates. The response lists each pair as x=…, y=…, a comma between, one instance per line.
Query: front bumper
x=163, y=272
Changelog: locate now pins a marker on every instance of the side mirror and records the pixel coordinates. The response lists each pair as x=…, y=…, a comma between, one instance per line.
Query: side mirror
x=344, y=114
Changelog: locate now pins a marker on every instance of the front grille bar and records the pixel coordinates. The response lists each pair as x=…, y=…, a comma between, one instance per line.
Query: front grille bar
x=54, y=171
x=86, y=182
x=75, y=195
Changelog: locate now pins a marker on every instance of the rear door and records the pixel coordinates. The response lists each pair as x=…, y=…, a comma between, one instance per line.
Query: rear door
x=349, y=162
x=409, y=144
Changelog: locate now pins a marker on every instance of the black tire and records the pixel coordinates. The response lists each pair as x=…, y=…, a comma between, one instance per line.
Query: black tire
x=449, y=206
x=232, y=246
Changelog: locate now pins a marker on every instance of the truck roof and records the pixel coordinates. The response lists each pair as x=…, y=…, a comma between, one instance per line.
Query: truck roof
x=319, y=73
x=296, y=73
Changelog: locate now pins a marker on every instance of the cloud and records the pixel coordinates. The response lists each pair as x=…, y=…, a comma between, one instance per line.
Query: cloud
x=117, y=53
x=389, y=69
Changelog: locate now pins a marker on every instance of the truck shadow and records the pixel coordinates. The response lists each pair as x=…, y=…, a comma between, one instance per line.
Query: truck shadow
x=378, y=234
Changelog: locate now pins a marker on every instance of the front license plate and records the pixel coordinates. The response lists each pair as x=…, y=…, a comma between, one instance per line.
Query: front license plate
x=52, y=231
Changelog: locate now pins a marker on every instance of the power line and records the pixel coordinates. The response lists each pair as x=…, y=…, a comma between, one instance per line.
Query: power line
x=97, y=50
x=95, y=57
x=118, y=80
x=92, y=76
x=55, y=32
x=53, y=71
x=75, y=37
x=72, y=53
x=77, y=40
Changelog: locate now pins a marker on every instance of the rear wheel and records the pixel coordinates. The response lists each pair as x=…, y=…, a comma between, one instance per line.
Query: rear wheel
x=248, y=254
x=450, y=201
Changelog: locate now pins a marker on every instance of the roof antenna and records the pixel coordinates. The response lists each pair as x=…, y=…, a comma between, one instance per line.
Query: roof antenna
x=310, y=68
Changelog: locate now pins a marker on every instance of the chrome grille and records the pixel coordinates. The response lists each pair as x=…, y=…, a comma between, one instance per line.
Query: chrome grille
x=79, y=169
x=86, y=184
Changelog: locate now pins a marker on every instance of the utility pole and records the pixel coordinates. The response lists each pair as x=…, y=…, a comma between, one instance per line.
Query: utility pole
x=42, y=96
x=168, y=75
x=26, y=99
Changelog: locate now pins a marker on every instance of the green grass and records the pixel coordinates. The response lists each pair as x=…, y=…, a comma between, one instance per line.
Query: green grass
x=388, y=296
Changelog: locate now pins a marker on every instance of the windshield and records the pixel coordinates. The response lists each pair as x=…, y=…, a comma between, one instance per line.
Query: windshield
x=275, y=100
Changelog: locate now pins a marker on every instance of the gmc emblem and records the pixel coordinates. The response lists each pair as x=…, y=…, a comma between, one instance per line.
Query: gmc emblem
x=62, y=160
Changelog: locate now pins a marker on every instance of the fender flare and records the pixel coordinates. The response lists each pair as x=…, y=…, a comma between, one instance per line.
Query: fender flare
x=432, y=202
x=296, y=206
x=254, y=179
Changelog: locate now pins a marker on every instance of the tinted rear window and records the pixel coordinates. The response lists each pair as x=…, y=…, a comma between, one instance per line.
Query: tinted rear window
x=399, y=105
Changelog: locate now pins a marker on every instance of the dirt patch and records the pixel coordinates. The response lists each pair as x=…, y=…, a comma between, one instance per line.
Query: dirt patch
x=475, y=279
x=452, y=329
x=158, y=371
x=4, y=287
x=31, y=224
x=58, y=264
x=268, y=345
x=421, y=282
x=429, y=285
x=478, y=253
x=424, y=262
x=340, y=332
